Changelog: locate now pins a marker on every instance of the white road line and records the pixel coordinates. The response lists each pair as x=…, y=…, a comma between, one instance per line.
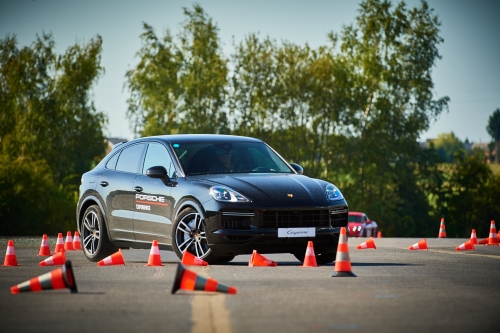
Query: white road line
x=209, y=313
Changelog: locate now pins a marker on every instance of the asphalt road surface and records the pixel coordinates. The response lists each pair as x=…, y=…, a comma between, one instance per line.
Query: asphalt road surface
x=395, y=290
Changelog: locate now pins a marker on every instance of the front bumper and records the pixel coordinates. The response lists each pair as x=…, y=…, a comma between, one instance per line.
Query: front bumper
x=232, y=232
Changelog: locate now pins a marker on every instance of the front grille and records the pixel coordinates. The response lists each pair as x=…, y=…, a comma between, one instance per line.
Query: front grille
x=339, y=217
x=236, y=220
x=295, y=219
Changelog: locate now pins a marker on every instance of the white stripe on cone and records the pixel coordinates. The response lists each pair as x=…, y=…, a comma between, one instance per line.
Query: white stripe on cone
x=10, y=250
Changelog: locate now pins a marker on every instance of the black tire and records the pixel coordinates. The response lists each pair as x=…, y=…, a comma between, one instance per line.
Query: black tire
x=321, y=258
x=188, y=233
x=95, y=241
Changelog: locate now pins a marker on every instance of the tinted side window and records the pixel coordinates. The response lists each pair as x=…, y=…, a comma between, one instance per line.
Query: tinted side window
x=112, y=161
x=129, y=159
x=157, y=155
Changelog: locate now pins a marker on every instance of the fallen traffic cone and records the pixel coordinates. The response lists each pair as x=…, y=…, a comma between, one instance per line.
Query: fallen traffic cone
x=10, y=255
x=57, y=279
x=484, y=241
x=422, y=245
x=56, y=259
x=369, y=244
x=466, y=246
x=68, y=245
x=442, y=230
x=44, y=247
x=342, y=260
x=492, y=239
x=379, y=234
x=260, y=260
x=310, y=257
x=191, y=259
x=59, y=244
x=473, y=237
x=190, y=281
x=154, y=255
x=76, y=241
x=114, y=259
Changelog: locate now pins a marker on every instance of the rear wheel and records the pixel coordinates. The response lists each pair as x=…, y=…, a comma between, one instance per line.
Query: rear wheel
x=96, y=244
x=189, y=234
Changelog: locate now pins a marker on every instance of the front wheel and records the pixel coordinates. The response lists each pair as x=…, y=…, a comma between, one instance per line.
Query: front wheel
x=189, y=234
x=96, y=244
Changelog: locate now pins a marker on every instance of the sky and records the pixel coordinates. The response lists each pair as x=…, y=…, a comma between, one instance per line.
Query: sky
x=468, y=73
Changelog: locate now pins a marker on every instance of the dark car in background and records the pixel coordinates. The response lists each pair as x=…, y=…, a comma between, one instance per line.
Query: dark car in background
x=361, y=226
x=216, y=196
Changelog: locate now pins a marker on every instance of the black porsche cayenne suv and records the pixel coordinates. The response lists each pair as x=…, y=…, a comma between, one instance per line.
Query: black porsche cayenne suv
x=215, y=196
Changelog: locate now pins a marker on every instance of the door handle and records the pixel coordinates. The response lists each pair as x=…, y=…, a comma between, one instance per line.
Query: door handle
x=138, y=189
x=104, y=183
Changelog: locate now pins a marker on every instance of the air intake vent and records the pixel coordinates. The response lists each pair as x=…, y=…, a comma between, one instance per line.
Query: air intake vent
x=296, y=219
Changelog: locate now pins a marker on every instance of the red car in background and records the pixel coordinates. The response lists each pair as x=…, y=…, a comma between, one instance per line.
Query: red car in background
x=361, y=226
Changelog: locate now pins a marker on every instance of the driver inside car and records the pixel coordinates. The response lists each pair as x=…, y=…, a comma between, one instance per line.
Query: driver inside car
x=223, y=162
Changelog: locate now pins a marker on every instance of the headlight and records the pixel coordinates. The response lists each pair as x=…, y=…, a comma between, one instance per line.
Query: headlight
x=226, y=194
x=333, y=193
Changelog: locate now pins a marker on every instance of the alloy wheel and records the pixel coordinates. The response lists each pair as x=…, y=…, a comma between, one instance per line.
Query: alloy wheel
x=190, y=235
x=90, y=233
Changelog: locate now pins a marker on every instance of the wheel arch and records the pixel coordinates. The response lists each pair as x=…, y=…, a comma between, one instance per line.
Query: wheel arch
x=189, y=203
x=86, y=203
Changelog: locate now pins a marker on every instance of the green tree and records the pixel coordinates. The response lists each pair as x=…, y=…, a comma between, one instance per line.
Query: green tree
x=447, y=144
x=465, y=195
x=180, y=87
x=493, y=129
x=155, y=91
x=392, y=52
x=50, y=131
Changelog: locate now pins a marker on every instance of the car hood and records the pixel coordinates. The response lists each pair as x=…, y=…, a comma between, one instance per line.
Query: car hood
x=276, y=189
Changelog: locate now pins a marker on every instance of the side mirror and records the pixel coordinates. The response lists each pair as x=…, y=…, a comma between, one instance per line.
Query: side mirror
x=297, y=168
x=159, y=172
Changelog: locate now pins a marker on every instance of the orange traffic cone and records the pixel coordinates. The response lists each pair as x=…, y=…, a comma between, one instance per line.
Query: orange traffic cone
x=422, y=245
x=342, y=260
x=442, y=230
x=76, y=241
x=44, y=247
x=260, y=260
x=59, y=244
x=56, y=259
x=10, y=255
x=189, y=280
x=484, y=241
x=379, y=234
x=473, y=236
x=310, y=257
x=114, y=259
x=154, y=255
x=57, y=279
x=466, y=246
x=68, y=245
x=191, y=259
x=492, y=239
x=369, y=244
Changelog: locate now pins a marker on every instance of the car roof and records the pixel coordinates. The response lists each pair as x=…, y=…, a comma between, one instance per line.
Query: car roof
x=185, y=138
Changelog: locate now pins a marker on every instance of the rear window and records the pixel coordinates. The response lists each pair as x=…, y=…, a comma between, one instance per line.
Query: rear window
x=129, y=159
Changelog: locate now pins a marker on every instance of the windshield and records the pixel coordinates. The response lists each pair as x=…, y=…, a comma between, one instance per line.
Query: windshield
x=203, y=158
x=355, y=218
